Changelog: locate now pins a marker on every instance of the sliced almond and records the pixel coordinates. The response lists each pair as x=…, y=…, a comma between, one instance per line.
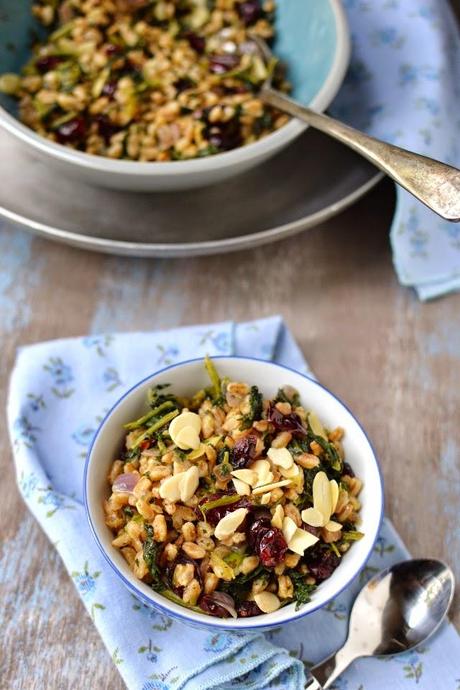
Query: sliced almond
x=313, y=517
x=230, y=523
x=248, y=476
x=334, y=495
x=281, y=457
x=187, y=438
x=265, y=499
x=278, y=515
x=333, y=526
x=266, y=479
x=322, y=499
x=241, y=488
x=262, y=469
x=267, y=602
x=301, y=540
x=316, y=425
x=189, y=484
x=182, y=421
x=289, y=528
x=291, y=473
x=170, y=488
x=269, y=487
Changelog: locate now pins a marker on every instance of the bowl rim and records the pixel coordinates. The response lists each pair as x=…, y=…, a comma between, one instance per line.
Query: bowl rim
x=211, y=621
x=167, y=169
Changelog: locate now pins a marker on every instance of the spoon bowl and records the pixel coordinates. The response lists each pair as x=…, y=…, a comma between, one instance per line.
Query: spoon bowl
x=396, y=610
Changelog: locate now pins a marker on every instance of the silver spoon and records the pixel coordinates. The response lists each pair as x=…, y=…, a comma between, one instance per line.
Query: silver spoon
x=397, y=610
x=434, y=183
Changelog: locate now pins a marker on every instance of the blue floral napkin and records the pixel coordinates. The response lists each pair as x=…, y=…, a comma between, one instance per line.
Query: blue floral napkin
x=59, y=392
x=403, y=86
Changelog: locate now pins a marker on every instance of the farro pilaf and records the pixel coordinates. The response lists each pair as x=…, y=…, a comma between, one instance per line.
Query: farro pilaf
x=230, y=504
x=148, y=80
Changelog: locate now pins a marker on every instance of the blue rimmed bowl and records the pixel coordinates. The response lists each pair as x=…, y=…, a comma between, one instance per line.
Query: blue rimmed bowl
x=185, y=379
x=312, y=39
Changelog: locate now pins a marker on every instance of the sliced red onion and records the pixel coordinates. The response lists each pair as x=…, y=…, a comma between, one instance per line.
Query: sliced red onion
x=226, y=601
x=125, y=483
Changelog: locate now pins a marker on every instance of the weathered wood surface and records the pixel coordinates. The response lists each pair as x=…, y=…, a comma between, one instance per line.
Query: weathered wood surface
x=394, y=360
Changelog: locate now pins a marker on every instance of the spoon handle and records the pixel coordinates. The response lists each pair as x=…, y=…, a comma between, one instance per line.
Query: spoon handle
x=434, y=183
x=327, y=671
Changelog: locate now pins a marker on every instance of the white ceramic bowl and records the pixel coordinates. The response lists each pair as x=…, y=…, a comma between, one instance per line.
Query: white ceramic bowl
x=313, y=40
x=186, y=378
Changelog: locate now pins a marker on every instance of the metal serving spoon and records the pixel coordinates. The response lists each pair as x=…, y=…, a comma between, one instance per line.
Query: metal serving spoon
x=434, y=183
x=397, y=610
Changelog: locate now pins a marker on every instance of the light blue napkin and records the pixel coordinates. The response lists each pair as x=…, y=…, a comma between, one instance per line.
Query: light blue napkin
x=403, y=86
x=59, y=392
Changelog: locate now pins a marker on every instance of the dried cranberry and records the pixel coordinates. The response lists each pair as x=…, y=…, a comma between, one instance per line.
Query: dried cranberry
x=105, y=127
x=231, y=90
x=243, y=452
x=347, y=469
x=285, y=422
x=267, y=542
x=249, y=11
x=224, y=135
x=219, y=64
x=198, y=43
x=71, y=131
x=145, y=444
x=256, y=530
x=247, y=609
x=111, y=50
x=321, y=563
x=272, y=547
x=209, y=605
x=47, y=62
x=214, y=515
x=183, y=84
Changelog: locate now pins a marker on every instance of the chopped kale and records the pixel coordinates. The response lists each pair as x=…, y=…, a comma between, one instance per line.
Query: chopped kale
x=293, y=399
x=224, y=461
x=352, y=535
x=215, y=390
x=156, y=426
x=306, y=497
x=151, y=554
x=240, y=587
x=255, y=409
x=302, y=591
x=131, y=454
x=153, y=413
x=330, y=451
x=156, y=397
x=331, y=458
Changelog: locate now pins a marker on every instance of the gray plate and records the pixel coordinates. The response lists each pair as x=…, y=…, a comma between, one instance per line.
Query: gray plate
x=307, y=183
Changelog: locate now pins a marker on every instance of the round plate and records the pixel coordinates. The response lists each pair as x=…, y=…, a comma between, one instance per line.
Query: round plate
x=304, y=185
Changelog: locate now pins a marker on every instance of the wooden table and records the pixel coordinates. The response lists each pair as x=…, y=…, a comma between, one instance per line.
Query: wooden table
x=395, y=361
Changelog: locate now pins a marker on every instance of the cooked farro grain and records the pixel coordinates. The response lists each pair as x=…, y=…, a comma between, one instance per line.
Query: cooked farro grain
x=205, y=536
x=148, y=80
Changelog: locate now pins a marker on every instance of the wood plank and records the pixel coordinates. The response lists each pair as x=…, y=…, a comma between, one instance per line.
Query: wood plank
x=392, y=359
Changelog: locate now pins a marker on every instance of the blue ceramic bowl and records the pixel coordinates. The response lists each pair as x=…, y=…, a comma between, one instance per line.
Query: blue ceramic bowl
x=312, y=39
